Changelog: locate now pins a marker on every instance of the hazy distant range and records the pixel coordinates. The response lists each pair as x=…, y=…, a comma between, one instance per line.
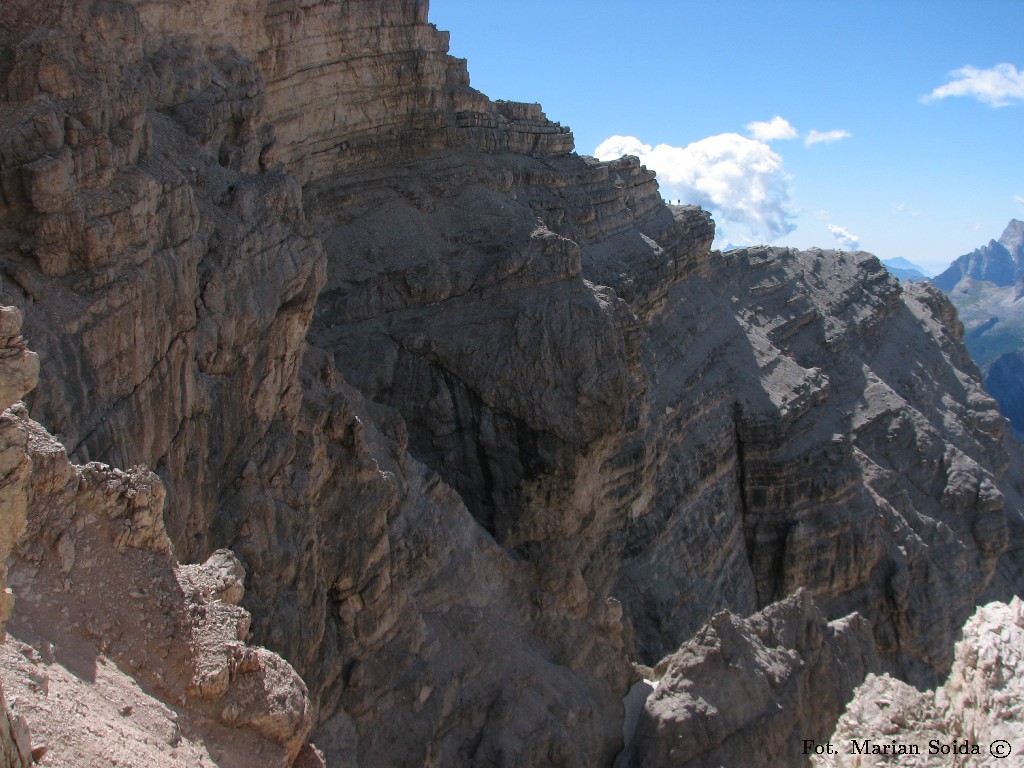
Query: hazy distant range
x=906, y=270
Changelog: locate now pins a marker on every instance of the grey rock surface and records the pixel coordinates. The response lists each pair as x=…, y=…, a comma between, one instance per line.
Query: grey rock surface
x=18, y=371
x=976, y=710
x=482, y=420
x=750, y=691
x=93, y=567
x=987, y=287
x=998, y=263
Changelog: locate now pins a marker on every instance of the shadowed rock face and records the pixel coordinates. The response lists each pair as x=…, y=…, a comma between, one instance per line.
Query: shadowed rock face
x=19, y=369
x=483, y=420
x=1003, y=381
x=97, y=585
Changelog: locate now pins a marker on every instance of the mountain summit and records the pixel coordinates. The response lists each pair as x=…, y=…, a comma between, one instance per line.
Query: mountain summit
x=999, y=262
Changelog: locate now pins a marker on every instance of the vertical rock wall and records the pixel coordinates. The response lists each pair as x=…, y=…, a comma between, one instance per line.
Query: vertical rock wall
x=482, y=419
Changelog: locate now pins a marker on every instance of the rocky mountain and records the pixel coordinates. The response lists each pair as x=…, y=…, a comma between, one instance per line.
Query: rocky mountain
x=999, y=262
x=110, y=629
x=488, y=428
x=993, y=318
x=987, y=287
x=905, y=269
x=971, y=720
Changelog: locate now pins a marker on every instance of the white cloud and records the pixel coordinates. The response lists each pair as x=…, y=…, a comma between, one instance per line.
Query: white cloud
x=739, y=180
x=1019, y=199
x=999, y=86
x=825, y=137
x=844, y=237
x=902, y=208
x=777, y=128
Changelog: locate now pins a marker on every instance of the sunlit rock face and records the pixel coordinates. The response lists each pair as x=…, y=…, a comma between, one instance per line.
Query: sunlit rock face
x=998, y=262
x=971, y=719
x=754, y=691
x=483, y=420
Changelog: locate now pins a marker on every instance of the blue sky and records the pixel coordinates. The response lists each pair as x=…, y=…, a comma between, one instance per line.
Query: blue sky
x=917, y=108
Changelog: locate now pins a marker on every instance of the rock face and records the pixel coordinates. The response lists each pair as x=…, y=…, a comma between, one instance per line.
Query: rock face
x=482, y=420
x=18, y=371
x=986, y=286
x=978, y=707
x=750, y=691
x=998, y=263
x=993, y=318
x=98, y=587
x=1003, y=381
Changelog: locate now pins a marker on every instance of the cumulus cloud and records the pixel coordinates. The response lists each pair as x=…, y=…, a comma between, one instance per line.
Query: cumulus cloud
x=777, y=128
x=999, y=86
x=739, y=180
x=844, y=237
x=825, y=137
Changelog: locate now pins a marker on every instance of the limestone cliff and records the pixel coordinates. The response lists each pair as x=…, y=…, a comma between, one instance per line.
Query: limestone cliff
x=483, y=420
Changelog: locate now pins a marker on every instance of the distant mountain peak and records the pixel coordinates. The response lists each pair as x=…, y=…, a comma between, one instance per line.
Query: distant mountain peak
x=1013, y=238
x=999, y=262
x=905, y=269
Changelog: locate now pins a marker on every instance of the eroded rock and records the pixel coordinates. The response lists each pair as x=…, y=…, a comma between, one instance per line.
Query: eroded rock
x=752, y=690
x=973, y=718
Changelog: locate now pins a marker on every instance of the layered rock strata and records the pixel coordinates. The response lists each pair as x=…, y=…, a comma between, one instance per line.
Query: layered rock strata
x=482, y=420
x=169, y=276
